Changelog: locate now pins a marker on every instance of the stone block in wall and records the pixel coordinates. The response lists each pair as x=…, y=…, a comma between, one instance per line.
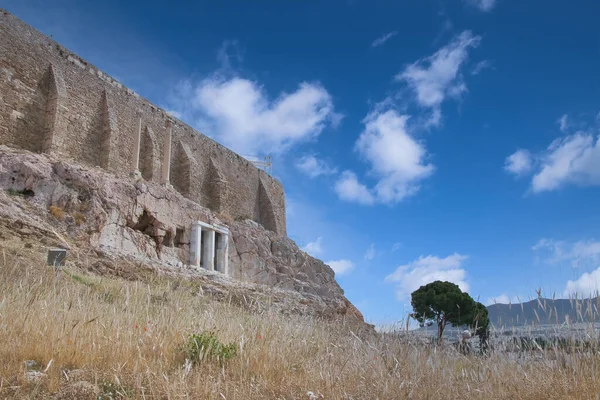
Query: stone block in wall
x=216, y=187
x=182, y=166
x=267, y=215
x=55, y=120
x=269, y=209
x=149, y=156
x=24, y=118
x=109, y=143
x=39, y=116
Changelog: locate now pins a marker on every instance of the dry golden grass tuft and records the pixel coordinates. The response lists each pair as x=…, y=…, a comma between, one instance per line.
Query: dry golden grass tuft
x=57, y=212
x=79, y=217
x=125, y=338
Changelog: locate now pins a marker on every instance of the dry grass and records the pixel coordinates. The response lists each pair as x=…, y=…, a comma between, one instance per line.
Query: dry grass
x=126, y=338
x=79, y=217
x=57, y=212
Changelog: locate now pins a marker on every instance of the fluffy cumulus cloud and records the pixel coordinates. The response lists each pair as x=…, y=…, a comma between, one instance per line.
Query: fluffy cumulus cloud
x=519, y=163
x=239, y=113
x=396, y=158
x=314, y=167
x=428, y=269
x=348, y=188
x=437, y=77
x=580, y=254
x=394, y=155
x=398, y=161
x=573, y=159
x=382, y=39
x=483, y=5
x=315, y=248
x=587, y=285
x=341, y=267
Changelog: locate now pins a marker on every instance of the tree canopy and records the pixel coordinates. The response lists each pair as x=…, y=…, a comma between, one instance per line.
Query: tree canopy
x=443, y=302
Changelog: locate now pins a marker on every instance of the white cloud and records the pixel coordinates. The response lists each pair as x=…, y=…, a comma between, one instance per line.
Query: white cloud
x=238, y=113
x=341, y=267
x=587, y=285
x=397, y=246
x=314, y=248
x=174, y=113
x=228, y=52
x=519, y=163
x=563, y=122
x=480, y=66
x=314, y=167
x=349, y=188
x=428, y=269
x=438, y=76
x=397, y=160
x=574, y=159
x=395, y=157
x=335, y=119
x=483, y=5
x=381, y=40
x=503, y=299
x=551, y=250
x=370, y=253
x=586, y=249
x=569, y=160
x=579, y=254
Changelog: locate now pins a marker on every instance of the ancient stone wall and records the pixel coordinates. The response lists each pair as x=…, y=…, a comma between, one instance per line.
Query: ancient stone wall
x=53, y=101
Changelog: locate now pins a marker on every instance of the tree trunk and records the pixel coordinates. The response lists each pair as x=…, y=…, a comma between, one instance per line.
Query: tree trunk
x=441, y=326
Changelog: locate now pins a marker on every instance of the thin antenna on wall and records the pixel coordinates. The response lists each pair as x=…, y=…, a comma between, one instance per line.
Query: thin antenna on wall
x=266, y=164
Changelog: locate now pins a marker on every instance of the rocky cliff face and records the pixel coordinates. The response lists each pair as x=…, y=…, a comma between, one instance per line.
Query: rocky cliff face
x=47, y=202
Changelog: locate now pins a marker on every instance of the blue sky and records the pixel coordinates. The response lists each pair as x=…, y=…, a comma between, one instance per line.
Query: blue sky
x=416, y=140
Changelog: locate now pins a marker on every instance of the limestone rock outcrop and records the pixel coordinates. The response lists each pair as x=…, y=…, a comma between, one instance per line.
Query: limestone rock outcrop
x=44, y=200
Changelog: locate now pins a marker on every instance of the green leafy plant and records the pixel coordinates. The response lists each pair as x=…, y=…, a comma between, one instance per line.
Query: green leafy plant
x=206, y=346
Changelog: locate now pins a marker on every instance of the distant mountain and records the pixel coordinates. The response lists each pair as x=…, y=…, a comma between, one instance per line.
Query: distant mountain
x=545, y=311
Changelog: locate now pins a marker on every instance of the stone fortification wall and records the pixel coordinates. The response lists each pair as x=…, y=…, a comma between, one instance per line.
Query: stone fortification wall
x=53, y=101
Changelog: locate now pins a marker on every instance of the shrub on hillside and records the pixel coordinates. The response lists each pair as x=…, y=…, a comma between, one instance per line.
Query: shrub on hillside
x=57, y=212
x=206, y=346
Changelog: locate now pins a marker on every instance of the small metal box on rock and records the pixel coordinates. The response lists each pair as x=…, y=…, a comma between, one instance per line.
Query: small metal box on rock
x=56, y=257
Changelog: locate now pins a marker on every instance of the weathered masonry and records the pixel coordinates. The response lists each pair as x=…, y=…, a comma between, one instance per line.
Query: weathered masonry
x=52, y=101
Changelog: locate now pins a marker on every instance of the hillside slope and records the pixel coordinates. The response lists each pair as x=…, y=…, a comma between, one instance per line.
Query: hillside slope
x=46, y=202
x=77, y=335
